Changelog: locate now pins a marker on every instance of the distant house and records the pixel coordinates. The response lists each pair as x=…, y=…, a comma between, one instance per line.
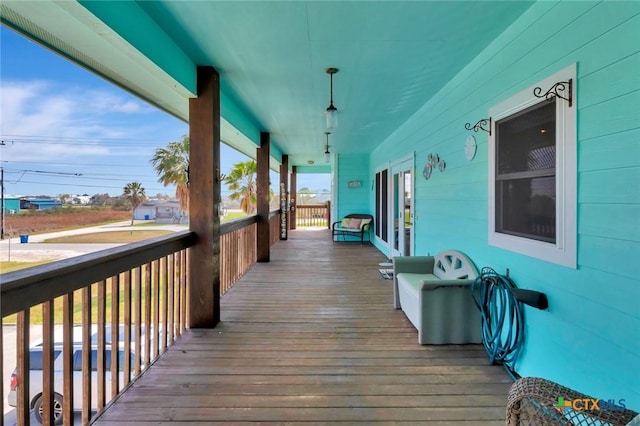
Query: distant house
x=81, y=199
x=39, y=203
x=160, y=211
x=146, y=210
x=169, y=212
x=11, y=205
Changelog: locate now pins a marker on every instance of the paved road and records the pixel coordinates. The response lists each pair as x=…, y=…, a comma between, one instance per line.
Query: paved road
x=35, y=249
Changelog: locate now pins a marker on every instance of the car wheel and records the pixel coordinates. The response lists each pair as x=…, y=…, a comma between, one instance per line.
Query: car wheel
x=57, y=409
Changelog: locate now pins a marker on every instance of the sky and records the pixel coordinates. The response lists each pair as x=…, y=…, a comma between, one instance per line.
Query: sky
x=65, y=130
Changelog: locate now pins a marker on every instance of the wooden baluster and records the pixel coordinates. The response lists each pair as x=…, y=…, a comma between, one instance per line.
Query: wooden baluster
x=147, y=314
x=137, y=285
x=126, y=368
x=115, y=336
x=86, y=354
x=22, y=344
x=67, y=359
x=164, y=298
x=155, y=286
x=101, y=364
x=171, y=297
x=47, y=363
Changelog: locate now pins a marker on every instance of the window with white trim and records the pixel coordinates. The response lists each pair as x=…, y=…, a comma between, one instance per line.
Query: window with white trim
x=533, y=172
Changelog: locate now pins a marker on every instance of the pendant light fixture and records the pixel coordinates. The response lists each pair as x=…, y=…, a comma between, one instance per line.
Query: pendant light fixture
x=331, y=114
x=327, y=154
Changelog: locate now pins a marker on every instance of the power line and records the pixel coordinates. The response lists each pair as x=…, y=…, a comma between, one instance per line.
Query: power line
x=97, y=144
x=89, y=186
x=71, y=138
x=70, y=164
x=85, y=175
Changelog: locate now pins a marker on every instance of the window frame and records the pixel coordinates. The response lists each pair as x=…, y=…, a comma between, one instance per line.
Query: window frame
x=564, y=250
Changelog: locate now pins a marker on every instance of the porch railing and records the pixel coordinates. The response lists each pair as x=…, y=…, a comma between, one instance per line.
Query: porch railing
x=312, y=215
x=130, y=300
x=274, y=223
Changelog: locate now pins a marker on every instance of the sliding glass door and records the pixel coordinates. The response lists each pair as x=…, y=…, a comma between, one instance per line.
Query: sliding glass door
x=382, y=205
x=401, y=231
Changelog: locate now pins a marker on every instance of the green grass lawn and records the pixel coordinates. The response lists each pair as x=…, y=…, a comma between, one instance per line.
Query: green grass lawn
x=109, y=237
x=15, y=266
x=36, y=311
x=100, y=237
x=232, y=215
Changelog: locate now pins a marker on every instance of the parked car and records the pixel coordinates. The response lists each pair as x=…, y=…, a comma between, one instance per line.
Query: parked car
x=35, y=376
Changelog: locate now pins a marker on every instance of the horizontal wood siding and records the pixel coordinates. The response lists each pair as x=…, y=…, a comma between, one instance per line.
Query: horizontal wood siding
x=593, y=322
x=353, y=200
x=312, y=337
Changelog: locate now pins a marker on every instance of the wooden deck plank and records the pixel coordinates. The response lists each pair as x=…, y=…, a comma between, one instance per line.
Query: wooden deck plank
x=313, y=337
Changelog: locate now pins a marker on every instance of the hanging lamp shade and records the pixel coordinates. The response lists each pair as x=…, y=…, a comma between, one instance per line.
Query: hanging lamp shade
x=327, y=154
x=331, y=113
x=331, y=116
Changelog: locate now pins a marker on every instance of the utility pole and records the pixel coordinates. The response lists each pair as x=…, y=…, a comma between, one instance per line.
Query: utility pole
x=2, y=144
x=2, y=203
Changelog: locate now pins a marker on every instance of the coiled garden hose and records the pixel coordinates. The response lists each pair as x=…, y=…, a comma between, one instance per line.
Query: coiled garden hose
x=502, y=317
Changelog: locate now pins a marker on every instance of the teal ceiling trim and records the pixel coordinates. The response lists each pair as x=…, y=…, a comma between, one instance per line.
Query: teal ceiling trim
x=276, y=152
x=325, y=168
x=243, y=123
x=153, y=42
x=236, y=116
x=135, y=26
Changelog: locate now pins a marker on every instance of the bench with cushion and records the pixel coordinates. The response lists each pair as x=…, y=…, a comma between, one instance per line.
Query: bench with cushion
x=355, y=225
x=434, y=292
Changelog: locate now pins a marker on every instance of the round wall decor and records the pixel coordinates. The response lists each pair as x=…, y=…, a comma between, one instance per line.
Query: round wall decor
x=470, y=147
x=426, y=172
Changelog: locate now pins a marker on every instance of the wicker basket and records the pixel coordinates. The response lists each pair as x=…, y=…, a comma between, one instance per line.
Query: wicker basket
x=534, y=401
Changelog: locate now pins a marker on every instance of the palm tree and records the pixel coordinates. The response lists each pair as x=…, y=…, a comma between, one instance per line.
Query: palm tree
x=172, y=165
x=134, y=193
x=242, y=182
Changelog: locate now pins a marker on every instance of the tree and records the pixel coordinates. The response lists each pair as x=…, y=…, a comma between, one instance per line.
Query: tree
x=241, y=182
x=134, y=194
x=304, y=195
x=172, y=166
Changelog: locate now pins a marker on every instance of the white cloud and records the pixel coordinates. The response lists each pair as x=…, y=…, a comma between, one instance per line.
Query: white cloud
x=104, y=102
x=34, y=114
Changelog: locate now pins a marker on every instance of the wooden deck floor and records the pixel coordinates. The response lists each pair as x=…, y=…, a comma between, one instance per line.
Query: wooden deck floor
x=312, y=337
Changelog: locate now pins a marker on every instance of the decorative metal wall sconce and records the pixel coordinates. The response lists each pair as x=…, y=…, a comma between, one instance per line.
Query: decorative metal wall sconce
x=556, y=91
x=433, y=162
x=480, y=125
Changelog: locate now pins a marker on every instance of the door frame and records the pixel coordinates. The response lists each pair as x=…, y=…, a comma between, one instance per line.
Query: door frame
x=400, y=166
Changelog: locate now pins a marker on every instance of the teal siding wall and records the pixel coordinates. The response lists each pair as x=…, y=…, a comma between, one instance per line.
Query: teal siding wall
x=589, y=339
x=353, y=200
x=12, y=204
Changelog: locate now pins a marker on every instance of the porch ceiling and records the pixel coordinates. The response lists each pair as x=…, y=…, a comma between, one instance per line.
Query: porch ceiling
x=272, y=56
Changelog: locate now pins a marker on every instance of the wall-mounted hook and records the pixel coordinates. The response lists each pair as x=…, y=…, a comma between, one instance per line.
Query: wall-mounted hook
x=556, y=91
x=480, y=125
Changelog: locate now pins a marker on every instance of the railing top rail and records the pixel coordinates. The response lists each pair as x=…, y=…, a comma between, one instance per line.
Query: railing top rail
x=22, y=289
x=235, y=224
x=272, y=213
